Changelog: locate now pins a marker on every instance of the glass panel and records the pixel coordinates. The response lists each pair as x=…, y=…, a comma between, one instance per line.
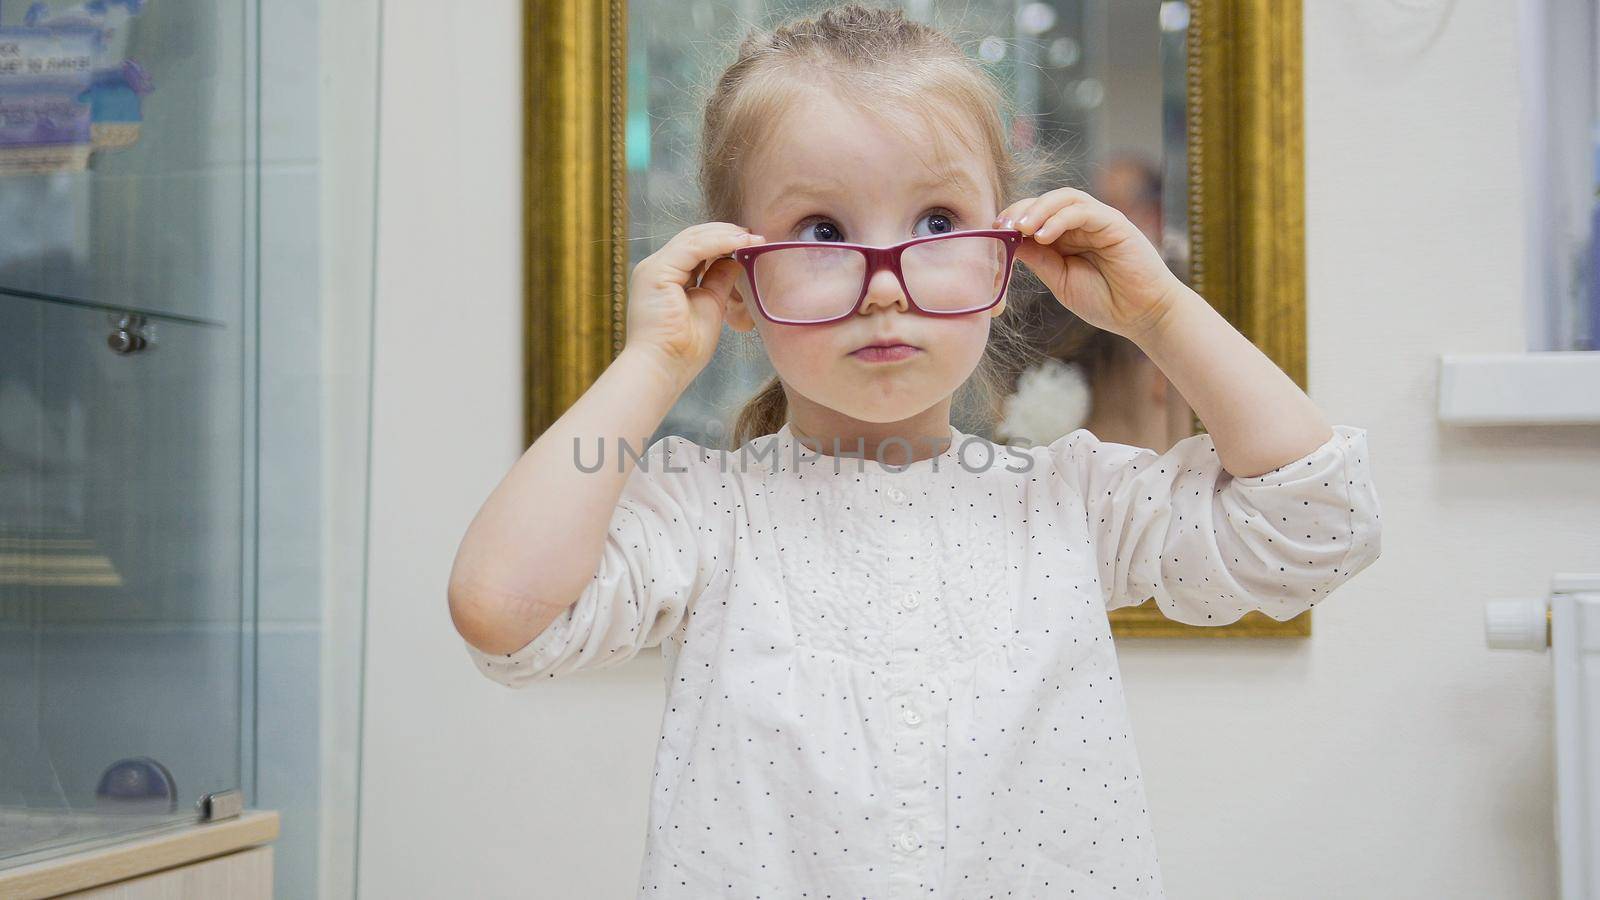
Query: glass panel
x=150, y=606
x=126, y=440
x=120, y=604
x=1561, y=144
x=319, y=83
x=152, y=170
x=1098, y=86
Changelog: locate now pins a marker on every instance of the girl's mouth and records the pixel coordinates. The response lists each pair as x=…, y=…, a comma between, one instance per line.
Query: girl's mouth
x=886, y=353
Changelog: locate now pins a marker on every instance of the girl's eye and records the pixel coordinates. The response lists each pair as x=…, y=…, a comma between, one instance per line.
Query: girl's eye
x=825, y=231
x=940, y=222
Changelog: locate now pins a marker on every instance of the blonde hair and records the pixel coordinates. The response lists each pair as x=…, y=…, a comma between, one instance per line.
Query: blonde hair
x=880, y=60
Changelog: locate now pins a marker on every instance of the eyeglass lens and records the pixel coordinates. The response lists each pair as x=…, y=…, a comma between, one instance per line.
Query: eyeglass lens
x=822, y=282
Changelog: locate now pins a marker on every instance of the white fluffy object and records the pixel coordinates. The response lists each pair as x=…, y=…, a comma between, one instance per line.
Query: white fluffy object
x=1052, y=399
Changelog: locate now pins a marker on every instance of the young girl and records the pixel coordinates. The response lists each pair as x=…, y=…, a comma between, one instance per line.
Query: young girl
x=889, y=666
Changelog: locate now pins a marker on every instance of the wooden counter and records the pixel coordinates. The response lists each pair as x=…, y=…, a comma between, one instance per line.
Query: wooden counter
x=231, y=858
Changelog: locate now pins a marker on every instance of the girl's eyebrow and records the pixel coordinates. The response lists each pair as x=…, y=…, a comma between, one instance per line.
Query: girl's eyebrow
x=955, y=178
x=812, y=190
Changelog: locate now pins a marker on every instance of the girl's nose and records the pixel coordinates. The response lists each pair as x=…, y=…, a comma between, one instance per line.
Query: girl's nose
x=884, y=290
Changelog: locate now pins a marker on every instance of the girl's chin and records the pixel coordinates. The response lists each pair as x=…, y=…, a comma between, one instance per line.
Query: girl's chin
x=885, y=407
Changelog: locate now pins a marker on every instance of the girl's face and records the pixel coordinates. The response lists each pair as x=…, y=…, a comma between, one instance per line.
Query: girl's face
x=830, y=173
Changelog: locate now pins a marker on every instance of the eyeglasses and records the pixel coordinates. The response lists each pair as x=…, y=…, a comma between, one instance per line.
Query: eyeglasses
x=817, y=282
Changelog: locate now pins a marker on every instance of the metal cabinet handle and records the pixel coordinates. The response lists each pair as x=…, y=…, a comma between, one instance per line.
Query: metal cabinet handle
x=128, y=335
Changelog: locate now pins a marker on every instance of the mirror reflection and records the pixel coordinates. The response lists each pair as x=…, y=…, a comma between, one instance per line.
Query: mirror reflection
x=1098, y=91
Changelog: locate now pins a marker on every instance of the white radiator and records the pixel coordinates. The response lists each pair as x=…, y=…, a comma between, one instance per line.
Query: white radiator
x=1567, y=622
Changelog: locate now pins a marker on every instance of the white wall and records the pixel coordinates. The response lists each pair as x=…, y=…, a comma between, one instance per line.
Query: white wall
x=1390, y=755
x=469, y=789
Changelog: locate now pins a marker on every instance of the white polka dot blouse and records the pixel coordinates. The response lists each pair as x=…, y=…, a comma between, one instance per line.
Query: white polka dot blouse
x=899, y=681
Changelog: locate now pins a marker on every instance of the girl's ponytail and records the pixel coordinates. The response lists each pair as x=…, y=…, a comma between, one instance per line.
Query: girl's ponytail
x=764, y=413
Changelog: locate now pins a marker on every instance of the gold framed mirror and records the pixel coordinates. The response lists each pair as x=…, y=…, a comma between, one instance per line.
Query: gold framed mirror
x=1233, y=184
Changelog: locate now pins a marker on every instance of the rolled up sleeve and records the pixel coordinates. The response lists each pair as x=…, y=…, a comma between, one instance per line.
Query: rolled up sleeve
x=1210, y=547
x=664, y=545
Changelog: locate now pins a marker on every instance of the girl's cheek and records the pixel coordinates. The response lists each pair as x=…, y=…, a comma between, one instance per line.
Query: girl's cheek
x=791, y=347
x=964, y=348
x=801, y=337
x=963, y=335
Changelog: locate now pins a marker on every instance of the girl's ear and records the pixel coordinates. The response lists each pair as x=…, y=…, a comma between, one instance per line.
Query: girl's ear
x=737, y=312
x=1000, y=307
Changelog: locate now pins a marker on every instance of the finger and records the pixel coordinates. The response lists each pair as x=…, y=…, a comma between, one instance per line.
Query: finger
x=1008, y=213
x=1081, y=216
x=680, y=257
x=718, y=281
x=1031, y=216
x=1008, y=216
x=1050, y=266
x=701, y=244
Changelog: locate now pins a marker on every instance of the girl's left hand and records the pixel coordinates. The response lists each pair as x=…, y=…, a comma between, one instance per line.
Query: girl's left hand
x=1097, y=263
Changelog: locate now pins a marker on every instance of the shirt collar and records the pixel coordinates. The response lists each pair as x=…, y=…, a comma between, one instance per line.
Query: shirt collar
x=783, y=452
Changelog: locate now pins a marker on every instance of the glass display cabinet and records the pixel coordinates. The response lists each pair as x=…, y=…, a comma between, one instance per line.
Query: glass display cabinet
x=172, y=618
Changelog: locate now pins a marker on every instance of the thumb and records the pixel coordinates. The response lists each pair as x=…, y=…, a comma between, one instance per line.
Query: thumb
x=718, y=281
x=1045, y=262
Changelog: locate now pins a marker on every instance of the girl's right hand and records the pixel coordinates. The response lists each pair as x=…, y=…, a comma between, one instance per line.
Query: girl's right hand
x=677, y=295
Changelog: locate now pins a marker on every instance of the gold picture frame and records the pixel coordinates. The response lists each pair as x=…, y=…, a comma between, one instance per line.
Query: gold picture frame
x=1246, y=207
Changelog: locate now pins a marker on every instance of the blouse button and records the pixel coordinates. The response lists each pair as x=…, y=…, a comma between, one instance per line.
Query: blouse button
x=911, y=716
x=909, y=601
x=907, y=841
x=897, y=495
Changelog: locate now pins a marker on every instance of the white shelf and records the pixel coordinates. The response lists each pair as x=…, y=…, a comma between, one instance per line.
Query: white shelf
x=1548, y=388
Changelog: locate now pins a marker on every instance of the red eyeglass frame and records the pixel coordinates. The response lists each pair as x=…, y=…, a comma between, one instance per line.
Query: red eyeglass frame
x=881, y=258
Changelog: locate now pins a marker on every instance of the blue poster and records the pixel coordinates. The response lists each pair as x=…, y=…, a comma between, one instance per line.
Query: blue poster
x=63, y=93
